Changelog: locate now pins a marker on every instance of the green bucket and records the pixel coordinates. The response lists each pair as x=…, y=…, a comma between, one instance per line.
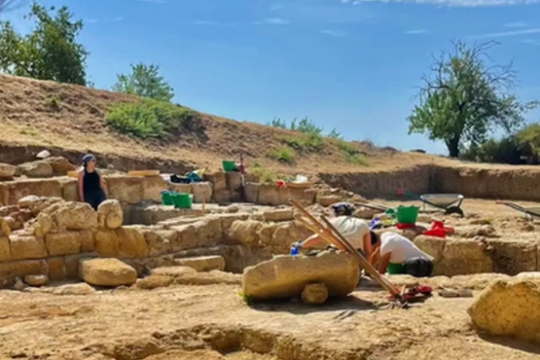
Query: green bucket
x=229, y=166
x=166, y=198
x=182, y=201
x=407, y=214
x=395, y=269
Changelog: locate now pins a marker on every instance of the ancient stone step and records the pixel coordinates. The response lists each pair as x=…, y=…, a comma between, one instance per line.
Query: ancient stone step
x=202, y=263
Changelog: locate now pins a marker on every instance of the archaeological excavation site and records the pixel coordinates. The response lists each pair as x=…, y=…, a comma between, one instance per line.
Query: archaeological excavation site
x=138, y=279
x=195, y=255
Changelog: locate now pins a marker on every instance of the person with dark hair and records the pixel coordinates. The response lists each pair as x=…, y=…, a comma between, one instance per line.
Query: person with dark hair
x=355, y=230
x=398, y=255
x=92, y=189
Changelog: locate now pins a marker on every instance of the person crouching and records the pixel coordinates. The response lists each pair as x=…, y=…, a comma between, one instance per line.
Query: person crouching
x=398, y=255
x=355, y=231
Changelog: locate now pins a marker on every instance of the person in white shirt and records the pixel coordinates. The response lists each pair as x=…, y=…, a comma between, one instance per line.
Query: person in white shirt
x=398, y=255
x=355, y=230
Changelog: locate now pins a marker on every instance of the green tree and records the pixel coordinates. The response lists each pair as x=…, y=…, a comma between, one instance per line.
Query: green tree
x=49, y=52
x=144, y=81
x=464, y=100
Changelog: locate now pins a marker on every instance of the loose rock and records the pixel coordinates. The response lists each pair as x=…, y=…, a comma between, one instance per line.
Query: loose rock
x=7, y=171
x=509, y=308
x=203, y=263
x=154, y=281
x=36, y=280
x=315, y=294
x=107, y=272
x=286, y=276
x=36, y=169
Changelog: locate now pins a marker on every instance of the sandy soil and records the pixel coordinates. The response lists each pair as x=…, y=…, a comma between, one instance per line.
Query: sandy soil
x=122, y=322
x=508, y=223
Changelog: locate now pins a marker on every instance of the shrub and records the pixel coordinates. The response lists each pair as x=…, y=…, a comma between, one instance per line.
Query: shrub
x=264, y=175
x=283, y=155
x=353, y=155
x=53, y=102
x=309, y=142
x=358, y=159
x=151, y=118
x=509, y=150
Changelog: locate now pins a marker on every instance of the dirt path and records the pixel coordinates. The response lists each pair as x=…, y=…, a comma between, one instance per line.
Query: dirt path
x=46, y=326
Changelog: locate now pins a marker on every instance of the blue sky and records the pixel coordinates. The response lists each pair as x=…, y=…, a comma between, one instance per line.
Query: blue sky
x=353, y=65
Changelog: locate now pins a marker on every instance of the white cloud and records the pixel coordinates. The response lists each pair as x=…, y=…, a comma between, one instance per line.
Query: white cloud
x=416, y=32
x=119, y=18
x=272, y=21
x=91, y=21
x=518, y=24
x=452, y=3
x=212, y=23
x=510, y=33
x=334, y=33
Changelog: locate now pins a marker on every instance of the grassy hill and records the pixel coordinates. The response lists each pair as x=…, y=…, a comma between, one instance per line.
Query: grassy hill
x=48, y=114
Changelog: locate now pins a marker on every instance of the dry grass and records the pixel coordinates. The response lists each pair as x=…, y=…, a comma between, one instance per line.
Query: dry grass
x=45, y=113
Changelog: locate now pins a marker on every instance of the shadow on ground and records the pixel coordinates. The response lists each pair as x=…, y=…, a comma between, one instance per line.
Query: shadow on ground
x=351, y=303
x=512, y=343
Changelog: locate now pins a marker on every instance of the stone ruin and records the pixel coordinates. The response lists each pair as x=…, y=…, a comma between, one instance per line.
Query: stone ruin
x=46, y=235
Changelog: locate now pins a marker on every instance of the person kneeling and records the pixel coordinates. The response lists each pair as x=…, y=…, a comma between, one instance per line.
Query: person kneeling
x=398, y=255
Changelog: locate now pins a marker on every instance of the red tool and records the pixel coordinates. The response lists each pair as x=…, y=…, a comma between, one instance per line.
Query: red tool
x=418, y=292
x=439, y=230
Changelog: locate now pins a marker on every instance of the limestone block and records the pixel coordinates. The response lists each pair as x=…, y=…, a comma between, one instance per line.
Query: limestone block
x=5, y=251
x=110, y=214
x=107, y=243
x=126, y=189
x=218, y=180
x=132, y=243
x=152, y=188
x=7, y=171
x=202, y=192
x=202, y=263
x=252, y=192
x=315, y=294
x=278, y=215
x=26, y=246
x=286, y=276
x=44, y=188
x=107, y=272
x=74, y=216
x=244, y=232
x=63, y=243
x=36, y=169
x=509, y=308
x=234, y=180
x=513, y=257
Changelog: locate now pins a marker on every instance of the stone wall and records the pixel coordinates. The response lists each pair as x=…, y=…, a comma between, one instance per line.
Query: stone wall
x=475, y=182
x=462, y=257
x=220, y=188
x=58, y=234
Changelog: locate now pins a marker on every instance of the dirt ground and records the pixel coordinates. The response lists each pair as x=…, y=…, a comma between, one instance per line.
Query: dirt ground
x=171, y=323
x=508, y=223
x=213, y=322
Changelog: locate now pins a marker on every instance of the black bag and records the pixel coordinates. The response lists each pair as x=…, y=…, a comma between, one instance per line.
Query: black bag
x=418, y=267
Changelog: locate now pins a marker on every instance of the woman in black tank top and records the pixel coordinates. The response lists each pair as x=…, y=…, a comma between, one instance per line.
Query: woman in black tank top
x=92, y=188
